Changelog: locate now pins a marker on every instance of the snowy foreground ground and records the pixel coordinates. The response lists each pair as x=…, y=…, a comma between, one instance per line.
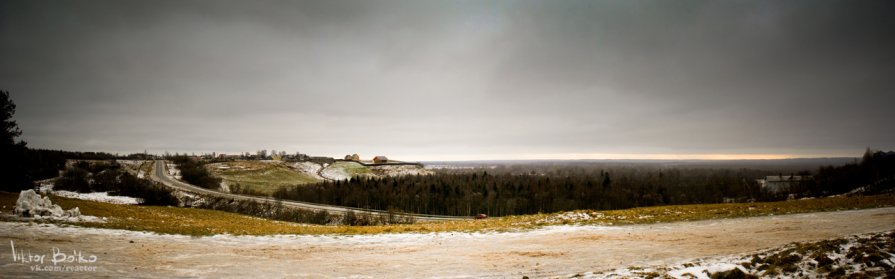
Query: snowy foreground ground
x=560, y=251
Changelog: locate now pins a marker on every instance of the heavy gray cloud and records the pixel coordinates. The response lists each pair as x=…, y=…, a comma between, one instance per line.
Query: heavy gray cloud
x=453, y=79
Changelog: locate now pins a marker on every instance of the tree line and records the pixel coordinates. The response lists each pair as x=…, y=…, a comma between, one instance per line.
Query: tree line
x=875, y=173
x=513, y=194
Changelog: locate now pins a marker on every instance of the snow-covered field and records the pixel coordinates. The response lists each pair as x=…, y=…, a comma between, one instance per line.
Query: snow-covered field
x=556, y=251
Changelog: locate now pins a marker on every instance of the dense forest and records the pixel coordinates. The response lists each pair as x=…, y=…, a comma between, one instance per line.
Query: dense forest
x=506, y=194
x=551, y=189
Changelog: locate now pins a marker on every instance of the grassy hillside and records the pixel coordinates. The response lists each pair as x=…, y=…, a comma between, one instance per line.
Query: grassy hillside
x=191, y=221
x=263, y=177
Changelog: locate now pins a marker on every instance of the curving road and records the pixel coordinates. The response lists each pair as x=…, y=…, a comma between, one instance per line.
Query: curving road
x=160, y=174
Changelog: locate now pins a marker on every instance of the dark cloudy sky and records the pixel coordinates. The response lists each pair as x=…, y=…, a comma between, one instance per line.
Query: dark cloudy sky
x=433, y=80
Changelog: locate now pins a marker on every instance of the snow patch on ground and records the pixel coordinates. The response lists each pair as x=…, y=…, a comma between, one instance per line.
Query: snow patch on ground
x=574, y=216
x=12, y=228
x=131, y=162
x=47, y=188
x=703, y=271
x=852, y=255
x=307, y=167
x=400, y=170
x=173, y=171
x=99, y=197
x=340, y=173
x=335, y=174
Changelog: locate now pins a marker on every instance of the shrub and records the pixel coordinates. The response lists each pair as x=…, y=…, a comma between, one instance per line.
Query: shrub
x=149, y=191
x=74, y=179
x=196, y=174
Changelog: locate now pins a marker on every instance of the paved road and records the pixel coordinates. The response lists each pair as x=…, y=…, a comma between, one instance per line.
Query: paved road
x=160, y=174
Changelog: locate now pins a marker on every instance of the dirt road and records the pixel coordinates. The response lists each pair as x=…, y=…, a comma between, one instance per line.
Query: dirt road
x=552, y=251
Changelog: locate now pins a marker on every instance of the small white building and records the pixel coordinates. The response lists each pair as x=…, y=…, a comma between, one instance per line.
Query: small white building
x=781, y=183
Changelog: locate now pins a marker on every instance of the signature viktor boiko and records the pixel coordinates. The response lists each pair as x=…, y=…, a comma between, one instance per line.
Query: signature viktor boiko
x=57, y=256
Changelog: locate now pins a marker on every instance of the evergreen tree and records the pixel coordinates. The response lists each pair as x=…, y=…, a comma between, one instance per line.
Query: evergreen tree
x=13, y=176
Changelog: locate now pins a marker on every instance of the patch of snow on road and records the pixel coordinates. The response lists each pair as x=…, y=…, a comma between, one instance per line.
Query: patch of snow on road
x=403, y=238
x=14, y=228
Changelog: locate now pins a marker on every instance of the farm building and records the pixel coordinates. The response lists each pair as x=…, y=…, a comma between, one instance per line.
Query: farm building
x=781, y=183
x=380, y=159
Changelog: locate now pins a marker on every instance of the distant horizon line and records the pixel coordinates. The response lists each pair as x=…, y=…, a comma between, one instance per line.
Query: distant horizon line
x=549, y=156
